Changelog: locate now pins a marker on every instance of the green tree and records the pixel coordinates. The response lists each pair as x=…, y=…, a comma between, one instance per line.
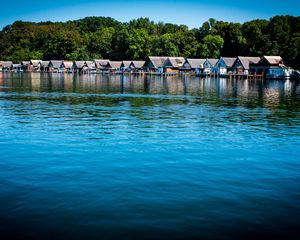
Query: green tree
x=139, y=44
x=101, y=37
x=165, y=45
x=211, y=47
x=120, y=44
x=100, y=42
x=142, y=24
x=234, y=41
x=61, y=43
x=258, y=38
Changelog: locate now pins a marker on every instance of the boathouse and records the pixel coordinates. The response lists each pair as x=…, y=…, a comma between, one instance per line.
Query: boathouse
x=173, y=64
x=25, y=66
x=242, y=64
x=224, y=65
x=44, y=66
x=56, y=66
x=113, y=66
x=67, y=66
x=80, y=66
x=34, y=66
x=154, y=64
x=101, y=64
x=6, y=65
x=91, y=66
x=193, y=65
x=271, y=67
x=209, y=65
x=137, y=66
x=125, y=66
x=16, y=67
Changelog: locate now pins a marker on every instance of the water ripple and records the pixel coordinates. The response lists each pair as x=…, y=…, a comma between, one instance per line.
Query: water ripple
x=159, y=158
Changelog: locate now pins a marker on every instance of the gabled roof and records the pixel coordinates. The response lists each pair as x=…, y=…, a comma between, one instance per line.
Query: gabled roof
x=156, y=61
x=25, y=63
x=114, y=65
x=194, y=63
x=101, y=62
x=35, y=63
x=175, y=62
x=246, y=61
x=212, y=61
x=137, y=64
x=44, y=63
x=90, y=64
x=68, y=64
x=228, y=61
x=56, y=63
x=80, y=64
x=126, y=64
x=6, y=64
x=273, y=59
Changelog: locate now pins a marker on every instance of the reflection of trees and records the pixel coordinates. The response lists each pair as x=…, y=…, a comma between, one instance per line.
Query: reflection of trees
x=220, y=92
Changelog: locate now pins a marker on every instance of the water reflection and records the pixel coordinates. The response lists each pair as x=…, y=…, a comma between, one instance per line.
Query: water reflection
x=270, y=93
x=104, y=157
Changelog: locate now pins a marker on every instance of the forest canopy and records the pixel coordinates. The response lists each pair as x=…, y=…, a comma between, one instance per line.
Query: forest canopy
x=101, y=37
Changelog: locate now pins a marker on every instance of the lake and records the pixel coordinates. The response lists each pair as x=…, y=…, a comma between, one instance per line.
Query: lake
x=121, y=157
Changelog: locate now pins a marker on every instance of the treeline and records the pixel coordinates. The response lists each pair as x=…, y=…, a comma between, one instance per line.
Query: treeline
x=100, y=37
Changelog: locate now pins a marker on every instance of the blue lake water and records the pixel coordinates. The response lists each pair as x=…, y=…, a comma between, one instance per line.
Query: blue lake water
x=120, y=157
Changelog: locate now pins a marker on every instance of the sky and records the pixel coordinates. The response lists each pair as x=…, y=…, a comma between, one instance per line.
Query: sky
x=191, y=13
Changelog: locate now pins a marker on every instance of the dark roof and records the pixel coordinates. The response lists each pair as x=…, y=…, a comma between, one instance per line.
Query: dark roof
x=246, y=61
x=157, y=61
x=194, y=63
x=228, y=61
x=137, y=64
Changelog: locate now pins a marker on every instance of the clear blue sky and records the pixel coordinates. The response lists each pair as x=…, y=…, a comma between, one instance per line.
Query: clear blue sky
x=190, y=12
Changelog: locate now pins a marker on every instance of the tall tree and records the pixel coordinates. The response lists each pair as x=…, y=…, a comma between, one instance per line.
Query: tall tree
x=96, y=37
x=211, y=46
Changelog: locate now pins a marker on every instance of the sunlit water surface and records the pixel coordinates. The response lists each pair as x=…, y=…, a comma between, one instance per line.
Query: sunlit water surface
x=120, y=157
